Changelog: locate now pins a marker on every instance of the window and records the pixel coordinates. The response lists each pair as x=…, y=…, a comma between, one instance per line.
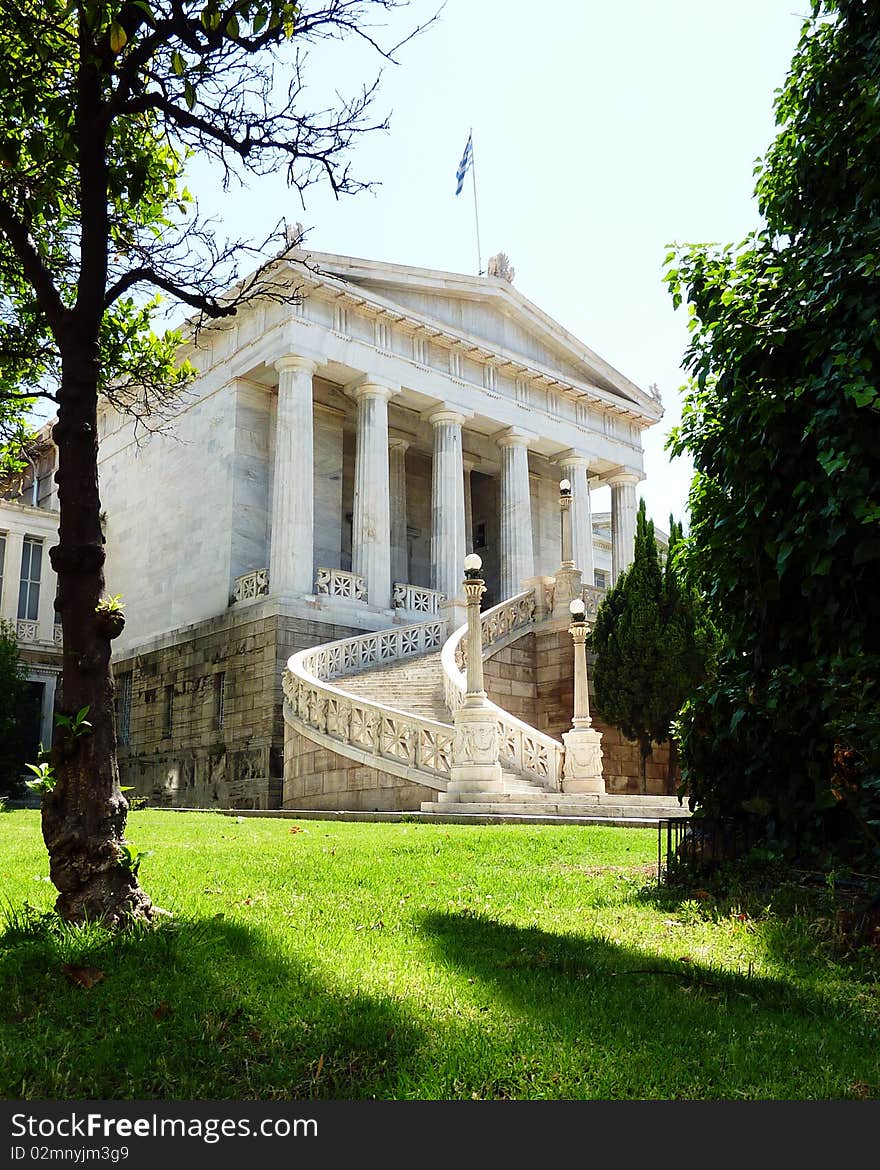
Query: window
x=169, y=710
x=29, y=586
x=123, y=709
x=600, y=578
x=219, y=698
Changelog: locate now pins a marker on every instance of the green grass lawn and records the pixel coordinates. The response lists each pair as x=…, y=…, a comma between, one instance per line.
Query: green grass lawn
x=319, y=959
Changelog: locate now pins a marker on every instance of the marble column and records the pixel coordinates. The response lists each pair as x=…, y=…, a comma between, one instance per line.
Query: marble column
x=291, y=556
x=468, y=509
x=371, y=521
x=397, y=449
x=517, y=551
x=447, y=504
x=623, y=521
x=574, y=468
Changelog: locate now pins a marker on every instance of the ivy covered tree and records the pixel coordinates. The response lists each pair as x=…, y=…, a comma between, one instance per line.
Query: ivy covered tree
x=100, y=105
x=648, y=651
x=782, y=421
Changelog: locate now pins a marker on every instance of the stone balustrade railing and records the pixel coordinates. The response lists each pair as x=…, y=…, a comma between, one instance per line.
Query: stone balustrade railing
x=522, y=746
x=251, y=585
x=28, y=631
x=339, y=583
x=408, y=745
x=416, y=598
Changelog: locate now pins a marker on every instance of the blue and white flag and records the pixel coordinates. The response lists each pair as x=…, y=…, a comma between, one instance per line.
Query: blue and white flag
x=467, y=160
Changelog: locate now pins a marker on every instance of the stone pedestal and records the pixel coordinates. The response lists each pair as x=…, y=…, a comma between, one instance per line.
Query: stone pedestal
x=582, y=771
x=476, y=744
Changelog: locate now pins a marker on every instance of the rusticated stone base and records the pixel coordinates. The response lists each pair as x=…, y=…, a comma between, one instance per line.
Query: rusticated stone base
x=183, y=750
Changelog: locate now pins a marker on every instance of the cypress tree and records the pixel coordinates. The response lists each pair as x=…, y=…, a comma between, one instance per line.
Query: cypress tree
x=648, y=651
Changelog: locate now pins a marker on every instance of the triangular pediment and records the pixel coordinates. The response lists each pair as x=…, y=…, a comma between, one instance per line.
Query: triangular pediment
x=487, y=311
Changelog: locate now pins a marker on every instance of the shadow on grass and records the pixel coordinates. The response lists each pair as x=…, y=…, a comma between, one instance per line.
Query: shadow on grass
x=641, y=1025
x=192, y=1010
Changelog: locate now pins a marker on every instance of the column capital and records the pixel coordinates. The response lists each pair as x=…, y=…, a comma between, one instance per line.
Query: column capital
x=572, y=458
x=298, y=361
x=514, y=438
x=372, y=386
x=445, y=414
x=623, y=476
x=398, y=444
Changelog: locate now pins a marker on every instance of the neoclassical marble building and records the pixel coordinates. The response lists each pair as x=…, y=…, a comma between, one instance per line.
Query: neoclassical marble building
x=333, y=463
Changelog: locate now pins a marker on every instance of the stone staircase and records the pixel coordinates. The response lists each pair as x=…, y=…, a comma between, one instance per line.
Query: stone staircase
x=385, y=701
x=415, y=686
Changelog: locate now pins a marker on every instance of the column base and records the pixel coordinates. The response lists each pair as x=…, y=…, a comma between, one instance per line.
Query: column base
x=582, y=770
x=568, y=587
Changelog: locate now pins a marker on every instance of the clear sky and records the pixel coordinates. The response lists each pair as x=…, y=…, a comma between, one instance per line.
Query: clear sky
x=602, y=133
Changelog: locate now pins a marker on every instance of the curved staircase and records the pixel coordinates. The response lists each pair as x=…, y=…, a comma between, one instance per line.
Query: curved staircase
x=388, y=699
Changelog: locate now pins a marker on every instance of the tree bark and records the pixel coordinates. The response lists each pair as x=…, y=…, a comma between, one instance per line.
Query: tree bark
x=84, y=815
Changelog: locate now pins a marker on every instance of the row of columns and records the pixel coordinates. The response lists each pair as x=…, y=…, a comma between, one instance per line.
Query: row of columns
x=379, y=509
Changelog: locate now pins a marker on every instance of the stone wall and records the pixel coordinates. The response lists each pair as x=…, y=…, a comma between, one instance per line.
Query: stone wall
x=318, y=778
x=509, y=679
x=200, y=761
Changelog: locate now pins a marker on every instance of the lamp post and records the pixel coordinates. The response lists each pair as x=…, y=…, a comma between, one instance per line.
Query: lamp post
x=474, y=588
x=565, y=507
x=582, y=770
x=475, y=765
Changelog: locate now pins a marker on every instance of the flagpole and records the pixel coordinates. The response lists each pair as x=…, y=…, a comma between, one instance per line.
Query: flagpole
x=476, y=214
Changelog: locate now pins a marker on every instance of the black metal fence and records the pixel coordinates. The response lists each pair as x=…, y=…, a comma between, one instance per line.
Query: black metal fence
x=695, y=845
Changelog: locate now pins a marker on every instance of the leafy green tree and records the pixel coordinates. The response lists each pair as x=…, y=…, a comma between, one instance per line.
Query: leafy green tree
x=782, y=420
x=648, y=653
x=100, y=105
x=13, y=713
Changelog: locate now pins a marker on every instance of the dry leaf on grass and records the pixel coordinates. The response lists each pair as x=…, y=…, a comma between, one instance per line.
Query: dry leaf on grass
x=82, y=976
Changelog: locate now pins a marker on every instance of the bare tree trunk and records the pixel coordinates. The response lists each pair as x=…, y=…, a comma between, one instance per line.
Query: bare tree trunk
x=84, y=815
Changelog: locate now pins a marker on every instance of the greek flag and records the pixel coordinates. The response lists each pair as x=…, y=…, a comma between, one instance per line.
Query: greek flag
x=467, y=160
